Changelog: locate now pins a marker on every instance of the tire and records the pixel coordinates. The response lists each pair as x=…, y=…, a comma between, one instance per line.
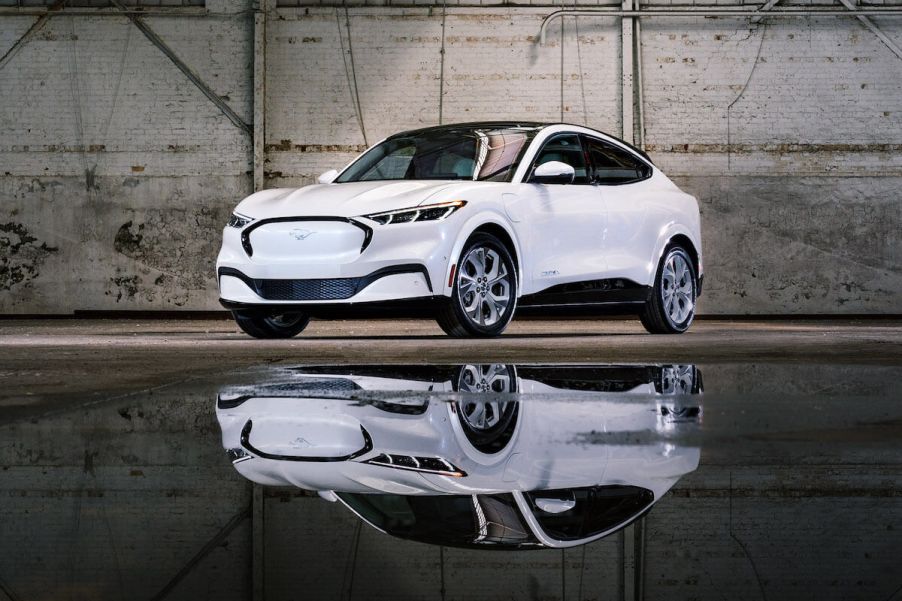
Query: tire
x=271, y=326
x=670, y=312
x=486, y=306
x=487, y=423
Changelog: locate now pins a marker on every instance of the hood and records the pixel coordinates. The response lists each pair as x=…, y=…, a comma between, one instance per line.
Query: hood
x=345, y=200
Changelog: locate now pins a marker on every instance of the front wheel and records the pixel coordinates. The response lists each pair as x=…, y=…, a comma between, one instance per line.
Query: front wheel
x=486, y=410
x=269, y=326
x=484, y=294
x=671, y=308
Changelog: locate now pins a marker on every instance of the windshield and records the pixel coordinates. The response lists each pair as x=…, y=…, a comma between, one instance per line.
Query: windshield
x=480, y=154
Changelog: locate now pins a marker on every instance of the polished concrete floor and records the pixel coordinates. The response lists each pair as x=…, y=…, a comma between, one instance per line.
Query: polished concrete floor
x=43, y=358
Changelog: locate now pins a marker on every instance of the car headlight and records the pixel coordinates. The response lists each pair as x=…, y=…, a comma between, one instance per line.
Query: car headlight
x=239, y=221
x=435, y=212
x=429, y=465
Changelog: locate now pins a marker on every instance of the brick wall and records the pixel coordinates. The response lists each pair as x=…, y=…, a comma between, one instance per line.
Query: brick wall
x=118, y=173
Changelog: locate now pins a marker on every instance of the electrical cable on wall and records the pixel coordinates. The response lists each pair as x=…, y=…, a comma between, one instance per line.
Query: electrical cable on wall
x=350, y=72
x=562, y=70
x=122, y=60
x=582, y=79
x=75, y=88
x=441, y=69
x=740, y=95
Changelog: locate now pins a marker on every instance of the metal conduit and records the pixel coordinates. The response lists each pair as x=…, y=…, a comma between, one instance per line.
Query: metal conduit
x=69, y=12
x=725, y=12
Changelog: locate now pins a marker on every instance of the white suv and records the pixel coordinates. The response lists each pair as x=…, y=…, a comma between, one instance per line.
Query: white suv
x=468, y=223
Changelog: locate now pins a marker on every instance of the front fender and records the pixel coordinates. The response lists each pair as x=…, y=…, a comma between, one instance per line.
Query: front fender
x=481, y=219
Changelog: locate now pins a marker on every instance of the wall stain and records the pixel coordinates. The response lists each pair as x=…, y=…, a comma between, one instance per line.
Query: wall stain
x=91, y=179
x=174, y=251
x=21, y=255
x=288, y=145
x=89, y=462
x=127, y=241
x=127, y=286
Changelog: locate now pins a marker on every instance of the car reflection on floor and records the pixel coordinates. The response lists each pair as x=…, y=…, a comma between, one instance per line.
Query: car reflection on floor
x=488, y=456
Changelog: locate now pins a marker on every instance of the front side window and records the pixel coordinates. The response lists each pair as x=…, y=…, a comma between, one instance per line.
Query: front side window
x=476, y=154
x=565, y=149
x=612, y=166
x=593, y=510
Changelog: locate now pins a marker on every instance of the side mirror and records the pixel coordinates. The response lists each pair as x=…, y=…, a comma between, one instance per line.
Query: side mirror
x=553, y=172
x=328, y=177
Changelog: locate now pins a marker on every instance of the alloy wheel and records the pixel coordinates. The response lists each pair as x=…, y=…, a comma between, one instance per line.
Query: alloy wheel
x=485, y=285
x=481, y=379
x=677, y=288
x=677, y=379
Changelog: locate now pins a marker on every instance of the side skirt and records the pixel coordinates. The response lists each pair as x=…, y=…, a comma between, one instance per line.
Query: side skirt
x=603, y=297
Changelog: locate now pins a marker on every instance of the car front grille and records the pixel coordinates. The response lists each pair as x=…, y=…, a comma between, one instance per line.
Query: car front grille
x=308, y=290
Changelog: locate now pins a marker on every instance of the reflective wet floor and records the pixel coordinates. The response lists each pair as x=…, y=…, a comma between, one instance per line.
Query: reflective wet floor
x=464, y=481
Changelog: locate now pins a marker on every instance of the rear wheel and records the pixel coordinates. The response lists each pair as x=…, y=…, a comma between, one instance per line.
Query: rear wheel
x=672, y=305
x=278, y=325
x=484, y=295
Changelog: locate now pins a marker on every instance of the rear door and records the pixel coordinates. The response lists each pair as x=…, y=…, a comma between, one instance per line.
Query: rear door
x=623, y=180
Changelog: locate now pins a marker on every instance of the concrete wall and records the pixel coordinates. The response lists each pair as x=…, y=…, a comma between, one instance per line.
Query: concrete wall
x=118, y=173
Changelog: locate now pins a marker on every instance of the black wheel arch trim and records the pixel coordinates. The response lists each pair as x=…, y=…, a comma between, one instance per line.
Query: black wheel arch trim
x=677, y=239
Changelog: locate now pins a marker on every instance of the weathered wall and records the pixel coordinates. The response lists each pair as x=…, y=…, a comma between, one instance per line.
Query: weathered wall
x=119, y=173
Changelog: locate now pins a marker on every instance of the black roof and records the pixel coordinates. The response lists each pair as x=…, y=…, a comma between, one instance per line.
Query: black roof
x=510, y=125
x=475, y=125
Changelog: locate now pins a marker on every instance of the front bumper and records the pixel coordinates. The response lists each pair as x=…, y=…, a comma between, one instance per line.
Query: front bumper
x=315, y=261
x=388, y=283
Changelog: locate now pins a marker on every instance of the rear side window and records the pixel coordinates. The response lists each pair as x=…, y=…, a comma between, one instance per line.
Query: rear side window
x=612, y=166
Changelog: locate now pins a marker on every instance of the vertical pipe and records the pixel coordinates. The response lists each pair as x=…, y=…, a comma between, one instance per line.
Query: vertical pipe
x=640, y=558
x=628, y=551
x=258, y=543
x=626, y=80
x=260, y=93
x=640, y=84
x=441, y=70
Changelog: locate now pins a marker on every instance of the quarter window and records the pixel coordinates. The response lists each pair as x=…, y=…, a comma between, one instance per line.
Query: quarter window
x=612, y=166
x=565, y=149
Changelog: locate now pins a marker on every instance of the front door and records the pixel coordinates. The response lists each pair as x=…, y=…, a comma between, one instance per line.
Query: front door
x=562, y=224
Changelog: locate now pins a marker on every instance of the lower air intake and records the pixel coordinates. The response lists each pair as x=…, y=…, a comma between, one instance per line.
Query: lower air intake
x=308, y=290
